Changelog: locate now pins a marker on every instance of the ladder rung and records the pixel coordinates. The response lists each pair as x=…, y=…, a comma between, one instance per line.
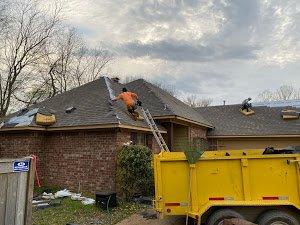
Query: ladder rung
x=156, y=133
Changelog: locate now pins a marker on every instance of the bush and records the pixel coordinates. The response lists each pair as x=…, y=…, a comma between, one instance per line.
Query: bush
x=134, y=171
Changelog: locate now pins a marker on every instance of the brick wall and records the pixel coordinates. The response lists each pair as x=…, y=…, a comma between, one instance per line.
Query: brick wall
x=85, y=158
x=123, y=136
x=197, y=132
x=69, y=159
x=22, y=144
x=155, y=147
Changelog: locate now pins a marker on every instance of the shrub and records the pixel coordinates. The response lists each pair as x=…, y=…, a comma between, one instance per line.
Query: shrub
x=134, y=171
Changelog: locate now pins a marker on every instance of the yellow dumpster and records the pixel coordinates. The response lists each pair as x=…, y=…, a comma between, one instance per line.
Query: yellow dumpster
x=263, y=189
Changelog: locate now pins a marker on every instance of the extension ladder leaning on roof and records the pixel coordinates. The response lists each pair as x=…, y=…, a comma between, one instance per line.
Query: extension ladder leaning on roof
x=156, y=133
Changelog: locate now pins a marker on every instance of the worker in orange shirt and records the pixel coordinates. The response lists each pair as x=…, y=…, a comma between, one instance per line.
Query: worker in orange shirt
x=130, y=99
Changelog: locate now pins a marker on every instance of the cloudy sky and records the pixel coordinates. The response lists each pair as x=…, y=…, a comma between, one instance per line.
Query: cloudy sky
x=223, y=49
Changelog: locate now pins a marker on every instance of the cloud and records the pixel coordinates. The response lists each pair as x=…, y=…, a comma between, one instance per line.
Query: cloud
x=225, y=49
x=188, y=52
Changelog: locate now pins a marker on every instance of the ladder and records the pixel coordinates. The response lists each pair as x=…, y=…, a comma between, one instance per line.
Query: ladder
x=156, y=133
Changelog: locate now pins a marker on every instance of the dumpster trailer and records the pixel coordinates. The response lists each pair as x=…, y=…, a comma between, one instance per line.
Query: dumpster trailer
x=264, y=189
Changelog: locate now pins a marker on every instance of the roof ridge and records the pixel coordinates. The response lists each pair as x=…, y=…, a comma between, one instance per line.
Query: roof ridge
x=111, y=97
x=186, y=105
x=165, y=105
x=206, y=120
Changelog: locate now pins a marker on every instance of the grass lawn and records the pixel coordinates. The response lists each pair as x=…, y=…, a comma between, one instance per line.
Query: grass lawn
x=75, y=212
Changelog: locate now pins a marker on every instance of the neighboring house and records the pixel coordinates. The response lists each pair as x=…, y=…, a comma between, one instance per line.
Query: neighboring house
x=233, y=130
x=80, y=148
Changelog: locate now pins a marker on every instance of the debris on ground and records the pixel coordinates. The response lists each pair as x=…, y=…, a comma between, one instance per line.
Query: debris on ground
x=63, y=193
x=48, y=195
x=47, y=199
x=45, y=203
x=88, y=201
x=77, y=197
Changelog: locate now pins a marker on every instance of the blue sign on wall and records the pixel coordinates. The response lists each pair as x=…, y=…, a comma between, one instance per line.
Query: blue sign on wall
x=21, y=166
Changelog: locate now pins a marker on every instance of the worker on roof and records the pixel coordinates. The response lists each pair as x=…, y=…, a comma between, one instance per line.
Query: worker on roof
x=246, y=105
x=131, y=100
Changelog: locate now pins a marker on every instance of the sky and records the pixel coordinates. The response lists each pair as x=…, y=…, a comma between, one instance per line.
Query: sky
x=225, y=50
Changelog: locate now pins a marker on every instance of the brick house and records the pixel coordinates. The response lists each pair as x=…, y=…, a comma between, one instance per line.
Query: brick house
x=80, y=147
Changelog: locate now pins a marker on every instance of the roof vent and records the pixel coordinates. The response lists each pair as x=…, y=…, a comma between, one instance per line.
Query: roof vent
x=115, y=79
x=70, y=109
x=288, y=114
x=23, y=111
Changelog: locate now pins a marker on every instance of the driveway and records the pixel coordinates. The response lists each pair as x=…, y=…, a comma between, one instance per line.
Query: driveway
x=137, y=219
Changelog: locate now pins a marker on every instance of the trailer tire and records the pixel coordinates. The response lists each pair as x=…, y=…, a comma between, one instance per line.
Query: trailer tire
x=273, y=216
x=218, y=216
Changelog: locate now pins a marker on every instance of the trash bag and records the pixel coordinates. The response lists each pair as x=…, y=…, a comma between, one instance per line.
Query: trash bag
x=88, y=201
x=63, y=193
x=77, y=197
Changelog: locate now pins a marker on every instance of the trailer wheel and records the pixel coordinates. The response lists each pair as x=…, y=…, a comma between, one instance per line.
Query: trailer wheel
x=218, y=217
x=276, y=217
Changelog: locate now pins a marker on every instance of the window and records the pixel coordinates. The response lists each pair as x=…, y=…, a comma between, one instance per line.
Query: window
x=138, y=138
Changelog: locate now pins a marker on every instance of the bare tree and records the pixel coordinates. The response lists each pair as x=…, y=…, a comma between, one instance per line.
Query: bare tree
x=265, y=96
x=90, y=63
x=68, y=63
x=168, y=88
x=59, y=64
x=194, y=101
x=28, y=33
x=284, y=92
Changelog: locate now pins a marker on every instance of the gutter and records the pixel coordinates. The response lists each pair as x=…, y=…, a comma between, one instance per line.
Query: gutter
x=23, y=129
x=253, y=136
x=91, y=127
x=183, y=119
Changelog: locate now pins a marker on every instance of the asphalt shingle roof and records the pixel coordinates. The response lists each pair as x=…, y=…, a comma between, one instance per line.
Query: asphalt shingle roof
x=161, y=103
x=93, y=105
x=228, y=121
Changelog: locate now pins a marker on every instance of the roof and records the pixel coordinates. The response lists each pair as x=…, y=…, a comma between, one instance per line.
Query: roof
x=161, y=104
x=266, y=121
x=282, y=103
x=93, y=107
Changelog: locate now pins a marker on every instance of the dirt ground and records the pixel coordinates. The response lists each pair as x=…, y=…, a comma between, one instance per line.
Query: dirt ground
x=137, y=219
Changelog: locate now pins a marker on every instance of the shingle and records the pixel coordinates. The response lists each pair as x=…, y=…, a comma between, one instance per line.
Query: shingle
x=91, y=103
x=266, y=121
x=93, y=107
x=161, y=103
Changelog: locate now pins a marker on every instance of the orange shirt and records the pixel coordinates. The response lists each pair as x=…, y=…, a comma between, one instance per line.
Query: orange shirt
x=128, y=98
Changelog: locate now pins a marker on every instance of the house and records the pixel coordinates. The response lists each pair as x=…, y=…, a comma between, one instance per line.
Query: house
x=80, y=148
x=266, y=127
